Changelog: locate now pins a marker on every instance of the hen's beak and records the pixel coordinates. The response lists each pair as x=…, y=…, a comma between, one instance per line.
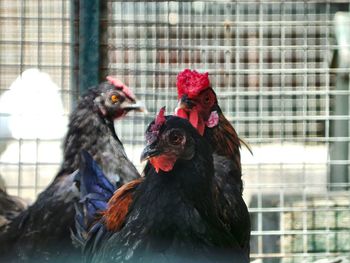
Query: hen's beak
x=187, y=109
x=184, y=107
x=186, y=103
x=138, y=106
x=159, y=159
x=149, y=152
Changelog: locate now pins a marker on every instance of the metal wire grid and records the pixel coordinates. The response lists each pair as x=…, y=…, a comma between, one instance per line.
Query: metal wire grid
x=33, y=34
x=269, y=64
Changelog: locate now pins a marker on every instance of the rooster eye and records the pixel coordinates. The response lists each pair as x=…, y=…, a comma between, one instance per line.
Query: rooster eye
x=175, y=138
x=114, y=98
x=207, y=99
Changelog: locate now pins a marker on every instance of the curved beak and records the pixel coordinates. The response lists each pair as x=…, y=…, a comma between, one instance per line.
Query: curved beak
x=186, y=103
x=187, y=109
x=148, y=152
x=184, y=107
x=137, y=106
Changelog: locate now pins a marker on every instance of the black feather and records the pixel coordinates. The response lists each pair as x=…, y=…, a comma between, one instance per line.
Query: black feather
x=172, y=217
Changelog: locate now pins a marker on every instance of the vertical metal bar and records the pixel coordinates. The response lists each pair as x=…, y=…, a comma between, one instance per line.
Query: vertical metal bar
x=227, y=61
x=39, y=47
x=149, y=54
x=89, y=57
x=348, y=142
x=149, y=80
x=74, y=50
x=39, y=18
x=339, y=150
x=144, y=63
x=283, y=80
x=132, y=73
x=23, y=14
x=260, y=139
x=63, y=49
x=282, y=129
x=170, y=85
x=139, y=53
x=63, y=80
x=154, y=11
x=327, y=97
x=123, y=32
x=304, y=110
x=261, y=92
x=190, y=36
x=158, y=76
x=21, y=66
x=106, y=15
x=204, y=34
x=262, y=245
x=327, y=17
x=237, y=53
x=216, y=44
x=180, y=33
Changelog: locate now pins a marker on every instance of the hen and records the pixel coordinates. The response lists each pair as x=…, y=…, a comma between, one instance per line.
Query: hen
x=169, y=215
x=198, y=103
x=42, y=232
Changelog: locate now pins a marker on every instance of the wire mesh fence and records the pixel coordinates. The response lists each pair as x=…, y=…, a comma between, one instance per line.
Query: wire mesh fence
x=34, y=39
x=269, y=62
x=273, y=66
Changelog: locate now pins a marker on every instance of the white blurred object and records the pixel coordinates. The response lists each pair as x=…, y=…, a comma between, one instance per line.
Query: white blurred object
x=342, y=29
x=32, y=108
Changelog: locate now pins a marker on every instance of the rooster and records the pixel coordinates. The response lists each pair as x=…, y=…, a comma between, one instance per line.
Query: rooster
x=198, y=103
x=168, y=215
x=42, y=232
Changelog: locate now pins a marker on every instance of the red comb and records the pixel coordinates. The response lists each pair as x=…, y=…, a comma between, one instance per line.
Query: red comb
x=191, y=83
x=121, y=86
x=152, y=133
x=160, y=119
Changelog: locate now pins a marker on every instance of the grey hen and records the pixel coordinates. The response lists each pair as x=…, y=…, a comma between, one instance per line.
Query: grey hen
x=42, y=232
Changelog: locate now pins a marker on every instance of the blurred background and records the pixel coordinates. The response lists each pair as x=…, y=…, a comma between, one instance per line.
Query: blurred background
x=281, y=71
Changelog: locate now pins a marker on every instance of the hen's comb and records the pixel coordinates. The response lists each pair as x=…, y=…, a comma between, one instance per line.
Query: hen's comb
x=121, y=86
x=153, y=131
x=160, y=119
x=191, y=83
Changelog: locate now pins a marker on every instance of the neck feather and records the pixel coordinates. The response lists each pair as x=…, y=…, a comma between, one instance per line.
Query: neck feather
x=225, y=140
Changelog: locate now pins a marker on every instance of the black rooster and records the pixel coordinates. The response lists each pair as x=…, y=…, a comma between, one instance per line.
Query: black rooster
x=42, y=232
x=199, y=104
x=169, y=215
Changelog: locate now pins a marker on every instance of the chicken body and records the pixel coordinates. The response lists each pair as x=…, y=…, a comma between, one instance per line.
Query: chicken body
x=170, y=215
x=42, y=232
x=198, y=103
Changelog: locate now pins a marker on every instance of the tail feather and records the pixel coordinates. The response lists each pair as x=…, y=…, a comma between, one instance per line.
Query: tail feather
x=95, y=192
x=249, y=148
